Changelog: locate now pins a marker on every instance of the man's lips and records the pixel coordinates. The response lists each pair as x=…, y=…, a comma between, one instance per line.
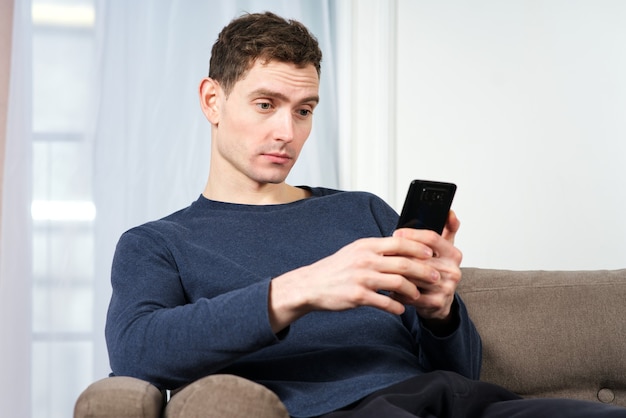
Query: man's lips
x=277, y=157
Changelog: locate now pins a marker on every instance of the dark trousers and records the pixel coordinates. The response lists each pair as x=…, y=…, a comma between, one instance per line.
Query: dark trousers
x=449, y=395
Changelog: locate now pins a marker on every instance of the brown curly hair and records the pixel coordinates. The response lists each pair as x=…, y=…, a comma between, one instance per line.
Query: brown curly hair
x=260, y=36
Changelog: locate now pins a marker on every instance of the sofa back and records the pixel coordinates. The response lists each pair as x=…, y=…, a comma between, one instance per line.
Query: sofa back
x=551, y=333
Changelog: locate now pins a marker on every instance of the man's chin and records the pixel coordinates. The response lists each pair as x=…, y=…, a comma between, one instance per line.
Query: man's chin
x=274, y=177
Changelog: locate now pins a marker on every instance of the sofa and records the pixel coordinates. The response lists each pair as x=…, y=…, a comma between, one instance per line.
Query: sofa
x=545, y=334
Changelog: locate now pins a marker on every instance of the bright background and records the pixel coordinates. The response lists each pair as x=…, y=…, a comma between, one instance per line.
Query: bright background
x=521, y=103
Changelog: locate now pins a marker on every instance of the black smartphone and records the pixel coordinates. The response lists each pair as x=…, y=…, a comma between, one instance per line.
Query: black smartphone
x=427, y=205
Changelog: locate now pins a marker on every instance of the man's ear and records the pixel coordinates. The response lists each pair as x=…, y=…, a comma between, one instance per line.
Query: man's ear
x=209, y=91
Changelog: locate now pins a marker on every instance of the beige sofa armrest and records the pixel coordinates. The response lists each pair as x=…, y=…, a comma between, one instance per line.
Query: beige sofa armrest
x=230, y=396
x=120, y=397
x=551, y=333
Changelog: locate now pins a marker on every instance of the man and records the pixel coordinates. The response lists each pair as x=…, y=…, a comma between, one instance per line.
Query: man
x=308, y=291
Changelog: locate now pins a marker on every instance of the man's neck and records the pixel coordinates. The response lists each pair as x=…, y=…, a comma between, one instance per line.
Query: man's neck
x=254, y=194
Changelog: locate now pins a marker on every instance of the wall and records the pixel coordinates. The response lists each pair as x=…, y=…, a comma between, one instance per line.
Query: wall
x=521, y=103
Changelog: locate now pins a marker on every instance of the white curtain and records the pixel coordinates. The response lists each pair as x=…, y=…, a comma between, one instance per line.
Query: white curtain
x=15, y=239
x=144, y=153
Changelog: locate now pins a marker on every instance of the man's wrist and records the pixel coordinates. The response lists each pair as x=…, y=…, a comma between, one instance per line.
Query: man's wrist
x=444, y=327
x=285, y=304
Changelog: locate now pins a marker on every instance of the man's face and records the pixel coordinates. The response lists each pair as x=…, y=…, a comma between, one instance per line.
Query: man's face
x=264, y=122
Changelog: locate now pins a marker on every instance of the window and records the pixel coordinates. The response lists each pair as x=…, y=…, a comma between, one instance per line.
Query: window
x=62, y=209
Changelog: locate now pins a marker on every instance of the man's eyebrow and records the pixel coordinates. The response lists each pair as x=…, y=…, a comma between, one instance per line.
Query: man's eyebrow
x=280, y=96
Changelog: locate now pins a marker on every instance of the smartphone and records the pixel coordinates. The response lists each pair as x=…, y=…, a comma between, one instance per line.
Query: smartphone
x=427, y=205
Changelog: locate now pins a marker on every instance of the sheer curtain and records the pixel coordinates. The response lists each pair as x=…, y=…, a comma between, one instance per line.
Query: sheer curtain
x=15, y=239
x=134, y=147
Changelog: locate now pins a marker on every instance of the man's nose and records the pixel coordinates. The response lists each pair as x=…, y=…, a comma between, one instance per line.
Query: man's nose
x=285, y=127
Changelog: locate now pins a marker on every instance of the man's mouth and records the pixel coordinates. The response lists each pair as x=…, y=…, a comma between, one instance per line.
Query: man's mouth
x=277, y=157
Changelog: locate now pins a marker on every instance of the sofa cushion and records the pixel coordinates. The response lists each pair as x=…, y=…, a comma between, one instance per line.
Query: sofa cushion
x=551, y=333
x=120, y=397
x=218, y=396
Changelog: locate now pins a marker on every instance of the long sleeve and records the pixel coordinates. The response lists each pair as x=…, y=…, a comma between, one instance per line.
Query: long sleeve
x=460, y=352
x=155, y=332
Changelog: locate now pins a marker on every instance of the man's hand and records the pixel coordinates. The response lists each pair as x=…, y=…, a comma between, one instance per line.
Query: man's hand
x=418, y=267
x=434, y=304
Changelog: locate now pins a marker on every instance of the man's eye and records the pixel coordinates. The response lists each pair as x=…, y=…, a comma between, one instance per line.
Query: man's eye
x=264, y=106
x=304, y=112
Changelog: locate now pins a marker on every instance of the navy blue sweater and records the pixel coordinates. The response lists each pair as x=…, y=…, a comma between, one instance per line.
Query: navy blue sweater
x=190, y=298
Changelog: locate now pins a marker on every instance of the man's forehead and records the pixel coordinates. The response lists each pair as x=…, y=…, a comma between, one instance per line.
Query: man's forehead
x=260, y=65
x=275, y=76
